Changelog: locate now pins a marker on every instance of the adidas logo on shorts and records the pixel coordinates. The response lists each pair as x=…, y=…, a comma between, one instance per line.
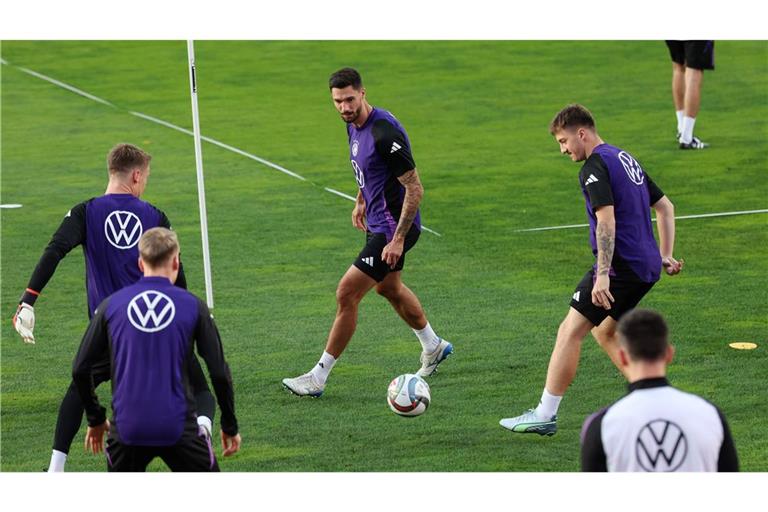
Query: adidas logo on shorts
x=576, y=296
x=368, y=260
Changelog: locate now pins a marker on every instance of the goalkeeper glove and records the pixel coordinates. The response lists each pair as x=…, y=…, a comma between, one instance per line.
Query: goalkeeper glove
x=24, y=322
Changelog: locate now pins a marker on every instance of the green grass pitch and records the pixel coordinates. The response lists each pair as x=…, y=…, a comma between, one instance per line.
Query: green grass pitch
x=477, y=115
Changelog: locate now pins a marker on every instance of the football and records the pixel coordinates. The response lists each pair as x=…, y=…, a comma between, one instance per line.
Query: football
x=408, y=395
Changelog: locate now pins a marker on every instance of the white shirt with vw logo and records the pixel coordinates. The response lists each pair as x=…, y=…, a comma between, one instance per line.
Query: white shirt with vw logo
x=662, y=429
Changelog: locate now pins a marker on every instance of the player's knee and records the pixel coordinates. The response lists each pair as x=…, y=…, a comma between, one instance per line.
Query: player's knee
x=567, y=334
x=346, y=296
x=387, y=291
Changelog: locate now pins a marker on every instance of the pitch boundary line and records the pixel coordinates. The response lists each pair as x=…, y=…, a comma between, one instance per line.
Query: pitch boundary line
x=182, y=130
x=699, y=216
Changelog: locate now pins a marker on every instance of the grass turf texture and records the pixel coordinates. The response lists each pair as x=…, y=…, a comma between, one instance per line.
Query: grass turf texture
x=477, y=115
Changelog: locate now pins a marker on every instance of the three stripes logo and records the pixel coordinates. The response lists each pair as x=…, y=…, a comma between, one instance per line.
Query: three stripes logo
x=395, y=147
x=661, y=446
x=368, y=260
x=123, y=229
x=592, y=179
x=151, y=311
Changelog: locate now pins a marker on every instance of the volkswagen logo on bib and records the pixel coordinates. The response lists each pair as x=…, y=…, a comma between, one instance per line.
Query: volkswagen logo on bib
x=633, y=169
x=359, y=176
x=661, y=446
x=123, y=229
x=151, y=311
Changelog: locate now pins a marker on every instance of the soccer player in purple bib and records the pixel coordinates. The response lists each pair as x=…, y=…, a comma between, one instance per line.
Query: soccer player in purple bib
x=108, y=228
x=148, y=329
x=618, y=195
x=387, y=210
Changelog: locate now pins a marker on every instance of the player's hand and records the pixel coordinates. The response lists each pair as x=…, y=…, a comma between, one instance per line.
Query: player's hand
x=392, y=252
x=94, y=437
x=24, y=322
x=672, y=266
x=358, y=216
x=231, y=444
x=601, y=295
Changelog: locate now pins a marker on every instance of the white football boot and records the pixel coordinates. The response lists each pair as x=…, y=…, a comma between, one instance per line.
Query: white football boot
x=304, y=385
x=430, y=361
x=530, y=423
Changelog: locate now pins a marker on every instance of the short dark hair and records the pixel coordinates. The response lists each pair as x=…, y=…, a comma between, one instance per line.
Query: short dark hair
x=125, y=157
x=644, y=334
x=344, y=78
x=572, y=116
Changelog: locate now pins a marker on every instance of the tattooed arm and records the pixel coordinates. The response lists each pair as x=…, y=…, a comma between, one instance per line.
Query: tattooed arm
x=414, y=191
x=605, y=235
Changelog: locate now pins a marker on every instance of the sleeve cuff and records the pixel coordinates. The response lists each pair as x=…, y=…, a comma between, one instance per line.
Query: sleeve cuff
x=99, y=418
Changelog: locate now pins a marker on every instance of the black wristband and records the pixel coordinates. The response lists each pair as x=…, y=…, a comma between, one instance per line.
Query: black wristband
x=29, y=298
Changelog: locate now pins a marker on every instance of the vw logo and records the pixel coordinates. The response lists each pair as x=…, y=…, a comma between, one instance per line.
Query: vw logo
x=123, y=229
x=358, y=174
x=151, y=311
x=632, y=168
x=355, y=147
x=661, y=446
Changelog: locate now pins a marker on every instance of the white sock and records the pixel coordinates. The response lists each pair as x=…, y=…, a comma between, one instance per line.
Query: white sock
x=323, y=367
x=680, y=115
x=548, y=405
x=429, y=340
x=687, y=133
x=58, y=459
x=206, y=422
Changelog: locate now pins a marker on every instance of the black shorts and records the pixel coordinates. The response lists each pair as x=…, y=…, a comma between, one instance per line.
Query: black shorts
x=188, y=455
x=693, y=54
x=369, y=260
x=627, y=291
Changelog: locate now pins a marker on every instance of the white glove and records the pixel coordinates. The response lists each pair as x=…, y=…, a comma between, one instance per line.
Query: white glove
x=24, y=322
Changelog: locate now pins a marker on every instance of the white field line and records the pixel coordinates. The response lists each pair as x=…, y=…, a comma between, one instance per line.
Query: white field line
x=347, y=196
x=699, y=216
x=65, y=86
x=184, y=130
x=340, y=194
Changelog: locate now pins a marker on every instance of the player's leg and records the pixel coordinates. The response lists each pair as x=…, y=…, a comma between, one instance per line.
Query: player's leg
x=677, y=54
x=678, y=94
x=353, y=286
x=606, y=337
x=190, y=455
x=67, y=424
x=627, y=293
x=560, y=373
x=70, y=418
x=403, y=301
x=204, y=400
x=565, y=356
x=407, y=305
x=698, y=57
x=581, y=318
